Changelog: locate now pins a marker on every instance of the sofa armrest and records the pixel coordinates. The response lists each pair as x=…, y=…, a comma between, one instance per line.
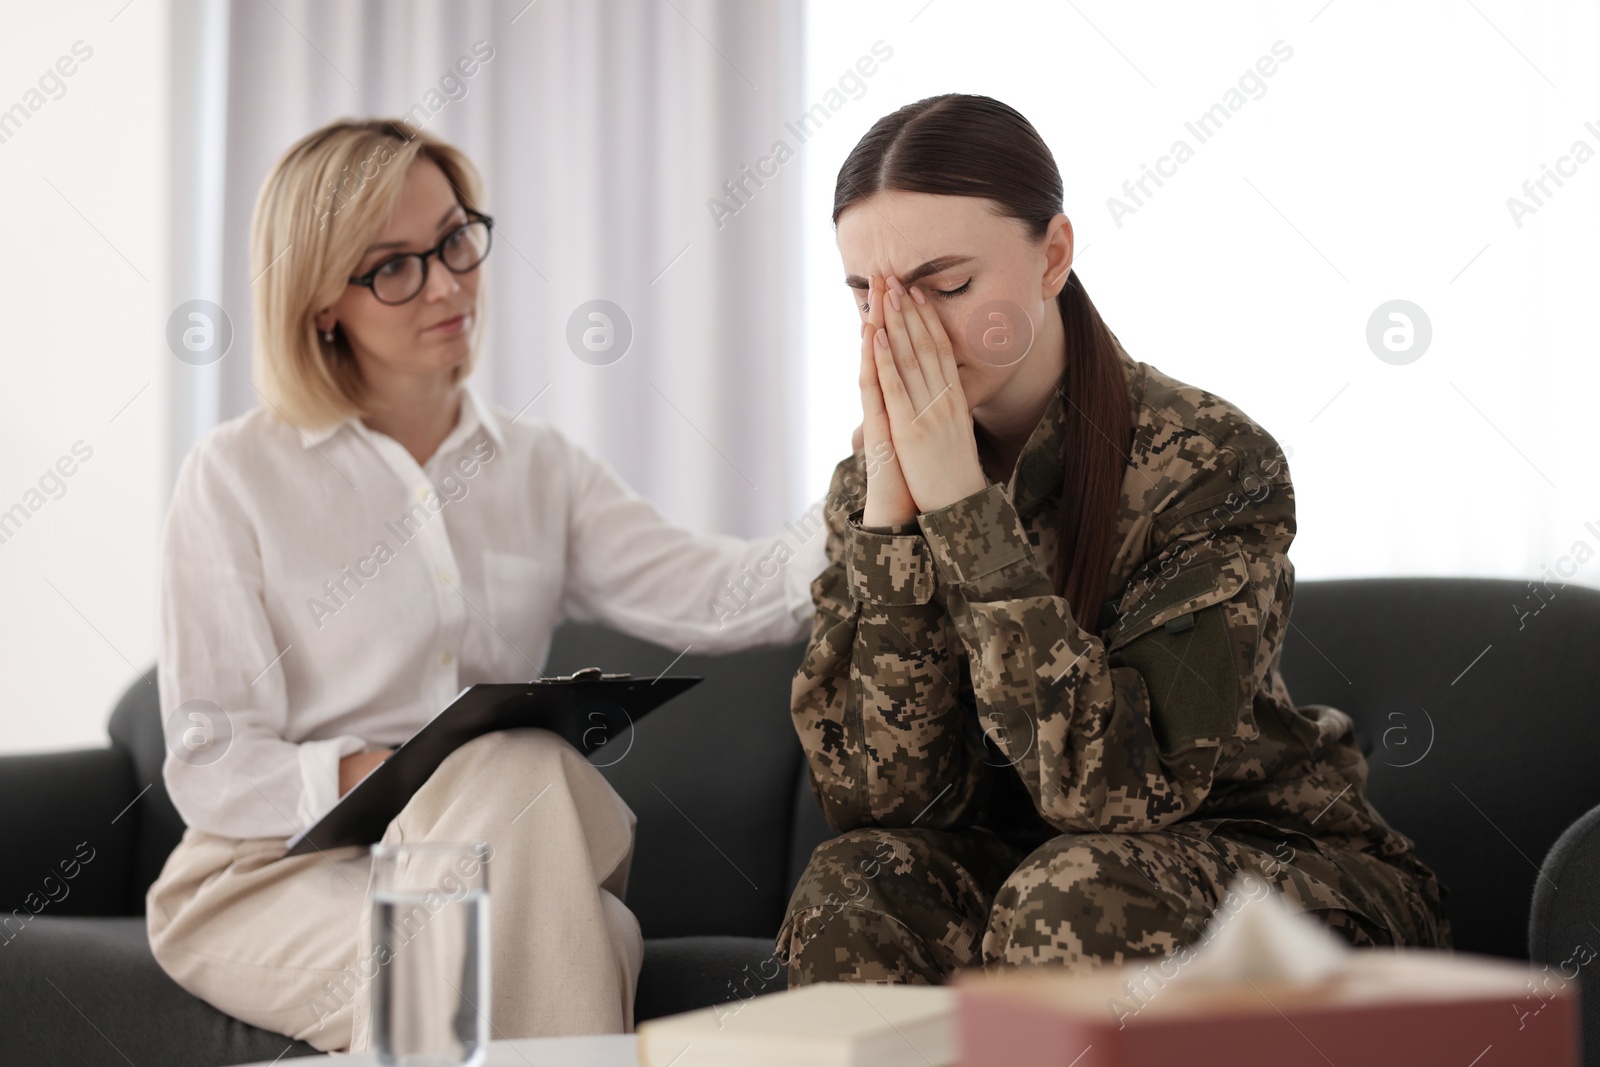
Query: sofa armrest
x=66, y=840
x=1563, y=943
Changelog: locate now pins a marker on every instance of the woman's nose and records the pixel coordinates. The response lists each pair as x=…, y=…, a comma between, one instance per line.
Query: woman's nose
x=442, y=282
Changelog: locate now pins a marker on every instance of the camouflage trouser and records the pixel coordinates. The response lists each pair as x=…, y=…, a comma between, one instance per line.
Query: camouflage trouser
x=913, y=905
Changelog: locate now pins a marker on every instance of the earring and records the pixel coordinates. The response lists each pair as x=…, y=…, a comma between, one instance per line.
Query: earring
x=327, y=336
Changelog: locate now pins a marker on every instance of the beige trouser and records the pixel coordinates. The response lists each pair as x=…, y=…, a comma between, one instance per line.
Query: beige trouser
x=284, y=943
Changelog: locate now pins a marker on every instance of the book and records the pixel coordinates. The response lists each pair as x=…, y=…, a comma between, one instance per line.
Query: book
x=829, y=1024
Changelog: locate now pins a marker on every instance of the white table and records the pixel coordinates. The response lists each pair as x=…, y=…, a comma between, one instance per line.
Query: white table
x=608, y=1050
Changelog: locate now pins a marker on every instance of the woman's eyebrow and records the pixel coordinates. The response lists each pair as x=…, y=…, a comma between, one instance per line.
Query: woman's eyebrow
x=401, y=244
x=933, y=266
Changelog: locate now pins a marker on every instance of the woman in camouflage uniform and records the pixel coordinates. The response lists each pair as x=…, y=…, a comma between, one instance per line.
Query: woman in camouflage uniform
x=1041, y=698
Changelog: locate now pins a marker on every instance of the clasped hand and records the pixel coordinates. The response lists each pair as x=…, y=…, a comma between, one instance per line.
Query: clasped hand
x=915, y=423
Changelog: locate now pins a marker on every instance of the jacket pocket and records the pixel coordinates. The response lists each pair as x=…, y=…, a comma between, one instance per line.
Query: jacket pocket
x=1200, y=582
x=1177, y=638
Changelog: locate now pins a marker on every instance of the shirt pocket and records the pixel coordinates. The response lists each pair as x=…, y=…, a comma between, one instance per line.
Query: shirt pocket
x=522, y=599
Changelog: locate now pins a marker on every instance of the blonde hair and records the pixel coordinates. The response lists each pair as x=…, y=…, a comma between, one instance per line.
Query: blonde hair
x=322, y=205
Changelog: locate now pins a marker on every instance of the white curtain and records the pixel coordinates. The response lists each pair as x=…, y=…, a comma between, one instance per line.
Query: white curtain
x=604, y=129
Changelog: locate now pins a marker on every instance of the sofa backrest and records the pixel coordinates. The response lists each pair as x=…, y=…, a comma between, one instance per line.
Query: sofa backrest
x=715, y=779
x=1481, y=716
x=136, y=730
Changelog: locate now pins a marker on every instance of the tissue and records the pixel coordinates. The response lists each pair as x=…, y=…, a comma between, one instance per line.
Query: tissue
x=1263, y=940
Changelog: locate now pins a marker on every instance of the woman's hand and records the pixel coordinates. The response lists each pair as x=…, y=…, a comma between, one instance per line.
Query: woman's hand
x=921, y=393
x=889, y=501
x=355, y=767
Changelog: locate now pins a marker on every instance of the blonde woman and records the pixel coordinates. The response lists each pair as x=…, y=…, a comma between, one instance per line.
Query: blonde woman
x=339, y=563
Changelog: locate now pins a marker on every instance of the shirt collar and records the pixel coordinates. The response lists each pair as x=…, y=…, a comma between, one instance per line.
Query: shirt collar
x=475, y=412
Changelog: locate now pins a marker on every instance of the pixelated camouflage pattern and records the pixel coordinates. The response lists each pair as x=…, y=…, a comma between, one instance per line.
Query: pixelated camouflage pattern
x=907, y=904
x=946, y=688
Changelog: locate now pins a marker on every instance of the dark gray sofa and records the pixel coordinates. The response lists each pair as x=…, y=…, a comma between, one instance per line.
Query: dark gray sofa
x=1483, y=769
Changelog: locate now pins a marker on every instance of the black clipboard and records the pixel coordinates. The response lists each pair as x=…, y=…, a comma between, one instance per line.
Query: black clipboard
x=586, y=707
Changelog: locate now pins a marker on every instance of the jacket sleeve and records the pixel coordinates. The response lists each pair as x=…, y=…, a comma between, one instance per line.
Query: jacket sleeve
x=632, y=569
x=876, y=700
x=1122, y=732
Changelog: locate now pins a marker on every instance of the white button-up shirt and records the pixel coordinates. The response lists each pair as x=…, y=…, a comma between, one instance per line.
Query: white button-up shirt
x=323, y=594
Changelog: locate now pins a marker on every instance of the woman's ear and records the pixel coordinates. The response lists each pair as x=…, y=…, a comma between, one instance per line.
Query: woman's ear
x=324, y=320
x=1057, y=256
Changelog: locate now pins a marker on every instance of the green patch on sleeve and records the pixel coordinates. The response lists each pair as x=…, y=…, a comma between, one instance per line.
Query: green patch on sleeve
x=1188, y=667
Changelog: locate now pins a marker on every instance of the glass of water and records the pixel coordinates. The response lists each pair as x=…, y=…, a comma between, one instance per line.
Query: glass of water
x=430, y=941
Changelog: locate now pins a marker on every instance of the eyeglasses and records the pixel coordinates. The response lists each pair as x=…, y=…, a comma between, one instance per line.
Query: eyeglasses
x=399, y=278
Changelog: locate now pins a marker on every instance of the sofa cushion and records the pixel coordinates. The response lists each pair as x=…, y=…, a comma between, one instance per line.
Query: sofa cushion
x=685, y=973
x=87, y=991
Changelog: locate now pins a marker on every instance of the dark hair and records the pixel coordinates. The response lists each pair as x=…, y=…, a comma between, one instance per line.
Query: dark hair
x=961, y=145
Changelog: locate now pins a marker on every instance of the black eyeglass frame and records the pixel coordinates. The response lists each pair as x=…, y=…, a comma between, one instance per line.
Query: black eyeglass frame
x=369, y=278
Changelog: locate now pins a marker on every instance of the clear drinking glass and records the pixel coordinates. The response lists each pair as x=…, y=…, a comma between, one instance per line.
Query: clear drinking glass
x=430, y=942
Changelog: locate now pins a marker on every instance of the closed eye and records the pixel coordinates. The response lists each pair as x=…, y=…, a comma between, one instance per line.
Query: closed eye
x=946, y=293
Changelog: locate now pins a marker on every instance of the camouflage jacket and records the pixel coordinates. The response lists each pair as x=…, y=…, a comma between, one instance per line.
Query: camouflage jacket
x=943, y=674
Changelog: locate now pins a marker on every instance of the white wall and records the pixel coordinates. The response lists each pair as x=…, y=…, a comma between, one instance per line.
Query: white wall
x=1376, y=164
x=83, y=359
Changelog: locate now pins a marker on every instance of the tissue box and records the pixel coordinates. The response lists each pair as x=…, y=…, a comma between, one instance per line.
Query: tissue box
x=1417, y=1007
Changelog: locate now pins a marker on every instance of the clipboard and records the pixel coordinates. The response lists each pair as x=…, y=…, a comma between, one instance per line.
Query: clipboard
x=587, y=708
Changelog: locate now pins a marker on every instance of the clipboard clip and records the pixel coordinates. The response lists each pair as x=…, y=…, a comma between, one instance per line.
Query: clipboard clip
x=587, y=674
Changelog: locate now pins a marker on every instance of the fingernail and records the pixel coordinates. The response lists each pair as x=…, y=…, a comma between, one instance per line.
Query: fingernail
x=882, y=337
x=894, y=298
x=916, y=294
